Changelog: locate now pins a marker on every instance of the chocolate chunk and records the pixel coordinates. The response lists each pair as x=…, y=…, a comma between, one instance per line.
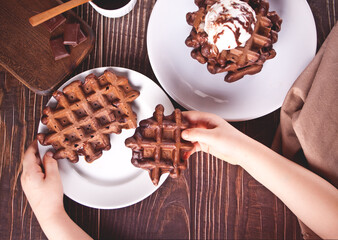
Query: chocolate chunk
x=81, y=37
x=58, y=49
x=54, y=22
x=70, y=33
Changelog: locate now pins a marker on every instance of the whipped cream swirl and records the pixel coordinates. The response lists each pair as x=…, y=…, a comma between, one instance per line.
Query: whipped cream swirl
x=229, y=24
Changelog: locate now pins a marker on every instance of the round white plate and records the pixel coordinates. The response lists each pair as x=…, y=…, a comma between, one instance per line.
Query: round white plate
x=190, y=84
x=111, y=181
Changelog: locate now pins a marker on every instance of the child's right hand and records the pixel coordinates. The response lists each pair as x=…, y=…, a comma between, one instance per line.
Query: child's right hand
x=210, y=133
x=43, y=188
x=42, y=185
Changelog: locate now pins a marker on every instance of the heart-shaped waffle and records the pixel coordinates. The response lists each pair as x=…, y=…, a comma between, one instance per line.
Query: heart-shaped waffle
x=157, y=144
x=86, y=113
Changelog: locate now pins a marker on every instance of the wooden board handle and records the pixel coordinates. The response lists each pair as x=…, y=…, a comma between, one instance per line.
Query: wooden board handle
x=44, y=16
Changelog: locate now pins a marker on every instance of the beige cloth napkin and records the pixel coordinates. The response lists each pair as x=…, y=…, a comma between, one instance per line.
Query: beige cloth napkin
x=308, y=131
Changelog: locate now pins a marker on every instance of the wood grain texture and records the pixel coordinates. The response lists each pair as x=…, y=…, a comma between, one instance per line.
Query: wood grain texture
x=212, y=200
x=53, y=12
x=25, y=50
x=325, y=13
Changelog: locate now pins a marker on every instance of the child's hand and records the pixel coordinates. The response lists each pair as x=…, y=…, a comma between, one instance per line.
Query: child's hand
x=43, y=188
x=45, y=195
x=210, y=133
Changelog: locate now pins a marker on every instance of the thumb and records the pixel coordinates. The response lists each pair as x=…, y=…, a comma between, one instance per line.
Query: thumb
x=197, y=135
x=50, y=165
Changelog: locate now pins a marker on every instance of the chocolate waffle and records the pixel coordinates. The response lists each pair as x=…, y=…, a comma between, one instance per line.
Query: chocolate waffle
x=86, y=113
x=241, y=60
x=157, y=145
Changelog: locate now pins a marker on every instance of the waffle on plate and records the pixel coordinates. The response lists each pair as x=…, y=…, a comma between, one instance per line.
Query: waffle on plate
x=86, y=113
x=239, y=61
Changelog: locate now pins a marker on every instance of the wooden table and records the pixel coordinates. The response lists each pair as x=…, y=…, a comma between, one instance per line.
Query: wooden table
x=211, y=200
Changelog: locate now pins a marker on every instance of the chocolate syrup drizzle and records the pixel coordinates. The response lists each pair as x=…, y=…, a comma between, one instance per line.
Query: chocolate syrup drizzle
x=225, y=18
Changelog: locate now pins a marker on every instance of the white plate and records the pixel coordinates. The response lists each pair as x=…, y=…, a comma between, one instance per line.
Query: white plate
x=111, y=181
x=190, y=84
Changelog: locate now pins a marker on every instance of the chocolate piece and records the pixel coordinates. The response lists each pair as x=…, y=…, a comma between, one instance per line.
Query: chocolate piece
x=81, y=37
x=70, y=34
x=58, y=49
x=54, y=22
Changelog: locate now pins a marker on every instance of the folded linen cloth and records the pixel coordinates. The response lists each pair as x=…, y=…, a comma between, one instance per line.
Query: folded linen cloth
x=308, y=131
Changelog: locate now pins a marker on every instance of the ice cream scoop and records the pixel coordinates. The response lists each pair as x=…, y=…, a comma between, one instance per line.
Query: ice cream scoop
x=229, y=24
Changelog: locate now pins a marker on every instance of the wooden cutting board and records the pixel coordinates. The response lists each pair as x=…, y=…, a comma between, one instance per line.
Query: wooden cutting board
x=25, y=51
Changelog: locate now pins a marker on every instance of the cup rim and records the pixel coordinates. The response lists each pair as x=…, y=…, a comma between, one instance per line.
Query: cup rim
x=114, y=13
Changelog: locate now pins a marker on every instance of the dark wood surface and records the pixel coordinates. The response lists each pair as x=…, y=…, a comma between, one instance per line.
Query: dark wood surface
x=212, y=200
x=25, y=50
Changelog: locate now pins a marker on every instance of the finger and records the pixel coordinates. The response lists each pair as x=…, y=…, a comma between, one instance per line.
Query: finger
x=196, y=148
x=31, y=169
x=197, y=135
x=30, y=161
x=198, y=119
x=50, y=165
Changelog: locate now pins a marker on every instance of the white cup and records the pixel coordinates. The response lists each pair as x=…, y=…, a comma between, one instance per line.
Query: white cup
x=115, y=13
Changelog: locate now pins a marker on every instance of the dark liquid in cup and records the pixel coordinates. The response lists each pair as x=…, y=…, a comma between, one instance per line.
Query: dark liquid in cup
x=111, y=4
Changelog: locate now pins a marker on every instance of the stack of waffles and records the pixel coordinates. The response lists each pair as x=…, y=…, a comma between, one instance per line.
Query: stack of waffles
x=239, y=61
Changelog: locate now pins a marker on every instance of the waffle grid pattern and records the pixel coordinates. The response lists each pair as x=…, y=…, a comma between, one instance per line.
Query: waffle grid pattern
x=85, y=115
x=157, y=145
x=241, y=60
